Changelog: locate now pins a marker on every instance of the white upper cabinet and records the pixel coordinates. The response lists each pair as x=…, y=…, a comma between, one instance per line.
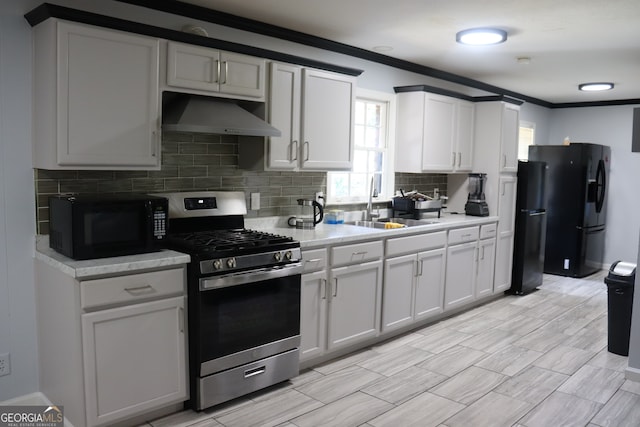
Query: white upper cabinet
x=328, y=101
x=215, y=72
x=496, y=136
x=314, y=110
x=509, y=138
x=96, y=93
x=434, y=133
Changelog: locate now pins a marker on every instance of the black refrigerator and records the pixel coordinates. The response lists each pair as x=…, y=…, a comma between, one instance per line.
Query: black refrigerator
x=576, y=202
x=530, y=228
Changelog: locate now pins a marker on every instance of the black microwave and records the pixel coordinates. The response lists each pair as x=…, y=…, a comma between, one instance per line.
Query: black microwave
x=99, y=226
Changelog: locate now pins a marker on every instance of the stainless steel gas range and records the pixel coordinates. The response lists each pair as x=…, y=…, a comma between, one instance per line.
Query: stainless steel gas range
x=243, y=297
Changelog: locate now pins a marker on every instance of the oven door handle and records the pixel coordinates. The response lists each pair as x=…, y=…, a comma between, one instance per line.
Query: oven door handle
x=250, y=276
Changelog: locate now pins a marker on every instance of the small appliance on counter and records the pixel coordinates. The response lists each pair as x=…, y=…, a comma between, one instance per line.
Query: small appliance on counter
x=414, y=204
x=88, y=226
x=311, y=214
x=476, y=204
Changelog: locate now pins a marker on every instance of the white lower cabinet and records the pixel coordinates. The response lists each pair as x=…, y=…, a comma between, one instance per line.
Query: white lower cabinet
x=313, y=304
x=354, y=310
x=506, y=232
x=461, y=267
x=112, y=348
x=486, y=267
x=413, y=284
x=134, y=359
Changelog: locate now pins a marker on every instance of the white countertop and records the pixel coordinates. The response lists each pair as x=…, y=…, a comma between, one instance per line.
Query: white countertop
x=104, y=266
x=326, y=234
x=322, y=235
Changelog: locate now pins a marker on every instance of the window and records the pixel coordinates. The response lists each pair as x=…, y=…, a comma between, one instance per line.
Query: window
x=373, y=152
x=526, y=137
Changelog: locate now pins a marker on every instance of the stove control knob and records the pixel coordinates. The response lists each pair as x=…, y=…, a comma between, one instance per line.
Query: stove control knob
x=277, y=256
x=217, y=264
x=288, y=255
x=231, y=262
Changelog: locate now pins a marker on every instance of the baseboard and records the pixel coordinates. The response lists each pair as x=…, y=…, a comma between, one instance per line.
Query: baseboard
x=632, y=374
x=36, y=398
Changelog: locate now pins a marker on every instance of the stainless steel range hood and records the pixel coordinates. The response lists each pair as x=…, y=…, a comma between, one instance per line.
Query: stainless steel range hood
x=201, y=114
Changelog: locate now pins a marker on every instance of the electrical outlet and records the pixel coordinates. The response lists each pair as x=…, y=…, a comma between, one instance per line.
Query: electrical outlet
x=5, y=364
x=320, y=197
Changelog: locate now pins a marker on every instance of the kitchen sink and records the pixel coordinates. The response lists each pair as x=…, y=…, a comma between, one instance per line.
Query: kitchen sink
x=408, y=221
x=381, y=223
x=368, y=224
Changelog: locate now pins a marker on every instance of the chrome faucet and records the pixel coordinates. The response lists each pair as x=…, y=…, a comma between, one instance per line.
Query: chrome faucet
x=373, y=192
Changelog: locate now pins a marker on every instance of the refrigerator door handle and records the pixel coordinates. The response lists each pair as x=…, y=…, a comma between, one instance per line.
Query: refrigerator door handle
x=538, y=213
x=601, y=185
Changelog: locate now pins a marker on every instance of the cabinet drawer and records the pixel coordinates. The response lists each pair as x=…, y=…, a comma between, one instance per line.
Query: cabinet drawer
x=418, y=243
x=488, y=231
x=462, y=235
x=131, y=288
x=352, y=254
x=314, y=260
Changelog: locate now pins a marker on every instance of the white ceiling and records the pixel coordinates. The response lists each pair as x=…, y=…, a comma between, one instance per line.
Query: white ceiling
x=569, y=41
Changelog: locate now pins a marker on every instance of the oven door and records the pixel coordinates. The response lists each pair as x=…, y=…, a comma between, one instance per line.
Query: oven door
x=247, y=322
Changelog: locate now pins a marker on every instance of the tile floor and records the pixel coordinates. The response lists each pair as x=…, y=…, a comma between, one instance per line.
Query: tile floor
x=537, y=360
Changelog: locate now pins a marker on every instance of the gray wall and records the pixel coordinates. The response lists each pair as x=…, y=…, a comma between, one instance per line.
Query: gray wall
x=610, y=126
x=17, y=226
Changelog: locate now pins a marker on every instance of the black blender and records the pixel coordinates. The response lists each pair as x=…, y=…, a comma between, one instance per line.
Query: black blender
x=476, y=204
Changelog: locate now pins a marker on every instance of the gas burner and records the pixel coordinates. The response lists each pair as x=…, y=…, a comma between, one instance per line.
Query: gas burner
x=227, y=240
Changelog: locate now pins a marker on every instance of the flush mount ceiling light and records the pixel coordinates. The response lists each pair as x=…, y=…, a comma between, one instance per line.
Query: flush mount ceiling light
x=594, y=87
x=481, y=36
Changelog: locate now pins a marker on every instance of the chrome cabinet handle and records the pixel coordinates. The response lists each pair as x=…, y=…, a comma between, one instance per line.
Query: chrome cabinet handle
x=306, y=144
x=294, y=151
x=504, y=160
x=217, y=80
x=453, y=162
x=359, y=253
x=323, y=289
x=335, y=292
x=459, y=159
x=181, y=319
x=226, y=72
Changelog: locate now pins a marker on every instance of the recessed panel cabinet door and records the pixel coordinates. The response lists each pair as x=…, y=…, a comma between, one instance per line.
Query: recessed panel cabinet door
x=430, y=283
x=355, y=303
x=439, y=131
x=134, y=359
x=107, y=101
x=461, y=274
x=397, y=295
x=313, y=307
x=506, y=232
x=284, y=115
x=328, y=101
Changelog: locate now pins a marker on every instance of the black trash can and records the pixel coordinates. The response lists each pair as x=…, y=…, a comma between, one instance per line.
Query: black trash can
x=620, y=284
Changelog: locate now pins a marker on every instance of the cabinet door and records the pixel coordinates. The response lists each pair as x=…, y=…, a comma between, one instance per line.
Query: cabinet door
x=506, y=225
x=134, y=359
x=397, y=293
x=193, y=67
x=438, y=152
x=409, y=132
x=328, y=101
x=486, y=265
x=430, y=283
x=242, y=75
x=355, y=304
x=464, y=136
x=313, y=306
x=284, y=114
x=108, y=98
x=509, y=138
x=461, y=273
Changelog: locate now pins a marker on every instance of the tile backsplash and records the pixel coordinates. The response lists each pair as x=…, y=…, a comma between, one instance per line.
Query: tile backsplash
x=196, y=162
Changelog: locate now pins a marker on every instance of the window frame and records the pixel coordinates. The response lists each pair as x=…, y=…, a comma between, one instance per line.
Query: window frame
x=388, y=158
